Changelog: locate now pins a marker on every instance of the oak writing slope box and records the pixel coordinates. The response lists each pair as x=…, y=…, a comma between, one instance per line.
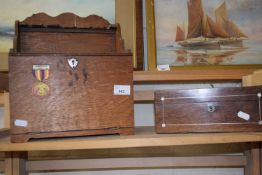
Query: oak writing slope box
x=88, y=91
x=208, y=110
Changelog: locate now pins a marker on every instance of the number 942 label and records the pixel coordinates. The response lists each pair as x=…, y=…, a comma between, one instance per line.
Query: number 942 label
x=121, y=89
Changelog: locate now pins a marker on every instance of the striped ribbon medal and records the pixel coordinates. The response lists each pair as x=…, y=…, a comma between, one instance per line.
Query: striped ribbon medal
x=41, y=72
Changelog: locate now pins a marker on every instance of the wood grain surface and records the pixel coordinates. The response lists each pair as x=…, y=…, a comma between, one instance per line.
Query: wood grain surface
x=67, y=33
x=187, y=110
x=192, y=75
x=139, y=35
x=144, y=137
x=61, y=42
x=4, y=81
x=136, y=163
x=167, y=151
x=254, y=79
x=79, y=99
x=67, y=20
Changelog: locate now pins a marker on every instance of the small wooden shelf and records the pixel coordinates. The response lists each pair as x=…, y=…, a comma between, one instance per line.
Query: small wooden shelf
x=174, y=75
x=192, y=75
x=144, y=137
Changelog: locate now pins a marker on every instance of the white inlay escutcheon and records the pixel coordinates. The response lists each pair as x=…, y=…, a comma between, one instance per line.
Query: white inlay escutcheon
x=22, y=123
x=121, y=89
x=243, y=115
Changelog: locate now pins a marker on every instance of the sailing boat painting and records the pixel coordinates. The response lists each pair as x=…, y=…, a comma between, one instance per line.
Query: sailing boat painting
x=208, y=32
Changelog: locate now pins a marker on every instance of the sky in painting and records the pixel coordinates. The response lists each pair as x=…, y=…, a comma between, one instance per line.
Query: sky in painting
x=247, y=14
x=12, y=10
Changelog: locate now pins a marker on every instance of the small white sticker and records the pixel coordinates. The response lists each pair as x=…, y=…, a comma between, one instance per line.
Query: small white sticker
x=243, y=115
x=22, y=123
x=41, y=67
x=164, y=67
x=121, y=90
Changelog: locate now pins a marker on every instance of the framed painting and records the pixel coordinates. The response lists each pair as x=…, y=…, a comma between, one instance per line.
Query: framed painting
x=204, y=34
x=12, y=10
x=129, y=14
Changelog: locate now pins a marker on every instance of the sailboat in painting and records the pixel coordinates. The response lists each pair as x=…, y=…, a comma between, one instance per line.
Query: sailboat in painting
x=236, y=36
x=203, y=32
x=180, y=34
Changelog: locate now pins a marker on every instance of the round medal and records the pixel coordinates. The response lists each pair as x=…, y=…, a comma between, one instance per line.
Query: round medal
x=40, y=89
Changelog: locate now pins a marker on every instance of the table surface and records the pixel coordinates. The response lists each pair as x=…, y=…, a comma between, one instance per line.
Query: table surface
x=144, y=137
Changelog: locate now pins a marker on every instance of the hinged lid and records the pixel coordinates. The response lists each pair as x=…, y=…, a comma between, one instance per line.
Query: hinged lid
x=208, y=95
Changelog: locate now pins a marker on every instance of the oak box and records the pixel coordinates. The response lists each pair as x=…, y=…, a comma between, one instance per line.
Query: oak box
x=69, y=76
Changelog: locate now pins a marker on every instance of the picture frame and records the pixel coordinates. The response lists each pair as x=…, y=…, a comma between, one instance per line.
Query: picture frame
x=152, y=49
x=129, y=14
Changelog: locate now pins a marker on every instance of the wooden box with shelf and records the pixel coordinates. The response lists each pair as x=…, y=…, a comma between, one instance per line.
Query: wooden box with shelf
x=64, y=73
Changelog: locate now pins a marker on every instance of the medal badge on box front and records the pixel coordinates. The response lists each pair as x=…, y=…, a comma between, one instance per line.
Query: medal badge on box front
x=41, y=74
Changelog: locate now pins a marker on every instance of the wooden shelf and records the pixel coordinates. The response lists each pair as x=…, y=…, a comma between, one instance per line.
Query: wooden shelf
x=192, y=75
x=174, y=75
x=145, y=137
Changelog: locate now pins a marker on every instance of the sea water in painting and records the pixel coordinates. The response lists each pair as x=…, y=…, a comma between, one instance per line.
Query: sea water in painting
x=208, y=32
x=12, y=10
